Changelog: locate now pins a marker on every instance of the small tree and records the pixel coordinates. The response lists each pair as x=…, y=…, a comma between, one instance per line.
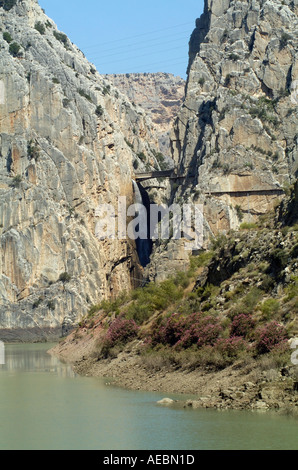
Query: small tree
x=64, y=277
x=17, y=180
x=284, y=39
x=99, y=110
x=7, y=4
x=14, y=49
x=39, y=26
x=7, y=37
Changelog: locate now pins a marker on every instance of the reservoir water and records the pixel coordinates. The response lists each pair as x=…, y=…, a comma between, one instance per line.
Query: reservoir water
x=45, y=406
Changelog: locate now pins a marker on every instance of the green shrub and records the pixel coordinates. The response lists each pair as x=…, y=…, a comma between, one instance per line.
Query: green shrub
x=252, y=298
x=239, y=212
x=284, y=39
x=291, y=290
x=142, y=156
x=99, y=110
x=84, y=94
x=7, y=4
x=61, y=37
x=234, y=57
x=64, y=277
x=39, y=26
x=267, y=283
x=269, y=307
x=15, y=49
x=51, y=305
x=66, y=102
x=161, y=160
x=219, y=242
x=33, y=150
x=279, y=258
x=182, y=279
x=200, y=260
x=7, y=37
x=228, y=80
x=152, y=298
x=17, y=180
x=113, y=306
x=106, y=90
x=37, y=302
x=248, y=226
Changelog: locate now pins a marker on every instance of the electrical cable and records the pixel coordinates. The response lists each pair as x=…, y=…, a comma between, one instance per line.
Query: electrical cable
x=149, y=45
x=139, y=35
x=137, y=57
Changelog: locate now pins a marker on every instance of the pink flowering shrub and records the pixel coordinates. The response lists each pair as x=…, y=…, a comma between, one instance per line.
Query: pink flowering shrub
x=242, y=325
x=270, y=336
x=231, y=347
x=121, y=331
x=183, y=331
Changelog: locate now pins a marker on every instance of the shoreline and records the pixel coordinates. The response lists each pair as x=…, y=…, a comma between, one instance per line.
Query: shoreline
x=237, y=387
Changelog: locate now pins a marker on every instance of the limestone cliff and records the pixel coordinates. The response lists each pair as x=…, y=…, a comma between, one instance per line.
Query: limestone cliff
x=68, y=142
x=235, y=138
x=159, y=94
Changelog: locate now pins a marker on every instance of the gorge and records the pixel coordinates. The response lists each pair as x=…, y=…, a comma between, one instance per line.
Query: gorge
x=72, y=140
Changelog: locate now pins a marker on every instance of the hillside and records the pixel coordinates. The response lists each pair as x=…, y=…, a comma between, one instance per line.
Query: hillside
x=221, y=331
x=220, y=324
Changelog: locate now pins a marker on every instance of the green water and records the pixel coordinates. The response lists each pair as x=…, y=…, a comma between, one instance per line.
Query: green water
x=45, y=406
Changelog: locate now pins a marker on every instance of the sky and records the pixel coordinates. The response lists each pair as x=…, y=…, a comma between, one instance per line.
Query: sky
x=129, y=36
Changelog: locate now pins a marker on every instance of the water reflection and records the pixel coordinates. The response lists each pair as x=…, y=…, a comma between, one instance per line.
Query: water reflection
x=42, y=407
x=34, y=358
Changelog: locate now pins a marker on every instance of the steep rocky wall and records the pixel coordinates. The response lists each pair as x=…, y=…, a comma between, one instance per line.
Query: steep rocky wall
x=68, y=142
x=159, y=94
x=236, y=136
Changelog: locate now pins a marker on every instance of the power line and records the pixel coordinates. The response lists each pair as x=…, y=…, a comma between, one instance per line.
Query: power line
x=146, y=41
x=149, y=45
x=139, y=35
x=136, y=57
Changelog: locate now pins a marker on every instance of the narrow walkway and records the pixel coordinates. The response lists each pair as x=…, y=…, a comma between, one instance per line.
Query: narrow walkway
x=172, y=174
x=154, y=174
x=247, y=192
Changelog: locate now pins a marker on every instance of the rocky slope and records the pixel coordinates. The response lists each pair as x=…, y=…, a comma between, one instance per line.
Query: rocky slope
x=245, y=289
x=235, y=139
x=236, y=135
x=68, y=142
x=159, y=94
x=224, y=328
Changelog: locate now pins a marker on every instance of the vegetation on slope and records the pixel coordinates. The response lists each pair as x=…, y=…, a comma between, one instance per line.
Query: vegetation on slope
x=237, y=302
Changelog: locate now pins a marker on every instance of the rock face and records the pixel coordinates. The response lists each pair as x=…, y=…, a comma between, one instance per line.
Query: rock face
x=159, y=94
x=236, y=137
x=68, y=142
